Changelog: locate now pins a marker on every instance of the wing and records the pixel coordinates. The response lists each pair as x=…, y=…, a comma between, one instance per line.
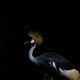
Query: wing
x=54, y=60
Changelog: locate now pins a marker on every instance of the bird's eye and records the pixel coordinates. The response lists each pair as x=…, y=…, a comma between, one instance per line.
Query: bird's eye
x=32, y=41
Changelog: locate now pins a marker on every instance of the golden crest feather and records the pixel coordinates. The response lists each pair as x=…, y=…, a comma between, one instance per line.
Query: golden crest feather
x=36, y=36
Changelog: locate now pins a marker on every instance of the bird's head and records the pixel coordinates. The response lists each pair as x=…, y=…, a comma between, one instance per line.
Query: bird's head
x=36, y=38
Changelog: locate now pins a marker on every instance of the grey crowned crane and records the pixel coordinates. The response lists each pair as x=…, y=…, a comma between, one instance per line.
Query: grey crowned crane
x=53, y=61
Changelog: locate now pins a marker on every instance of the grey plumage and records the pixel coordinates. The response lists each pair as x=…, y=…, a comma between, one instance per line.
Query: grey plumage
x=53, y=61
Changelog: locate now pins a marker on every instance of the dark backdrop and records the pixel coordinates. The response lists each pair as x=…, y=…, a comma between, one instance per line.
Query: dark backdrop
x=60, y=29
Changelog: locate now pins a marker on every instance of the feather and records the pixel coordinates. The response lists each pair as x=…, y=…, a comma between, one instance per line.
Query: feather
x=36, y=36
x=59, y=60
x=71, y=74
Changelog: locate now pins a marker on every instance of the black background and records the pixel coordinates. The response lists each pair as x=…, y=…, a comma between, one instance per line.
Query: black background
x=60, y=28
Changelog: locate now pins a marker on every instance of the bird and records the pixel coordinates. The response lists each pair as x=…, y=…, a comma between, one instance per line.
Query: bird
x=52, y=61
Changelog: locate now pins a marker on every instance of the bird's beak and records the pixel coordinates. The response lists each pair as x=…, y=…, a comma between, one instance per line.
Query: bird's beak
x=26, y=42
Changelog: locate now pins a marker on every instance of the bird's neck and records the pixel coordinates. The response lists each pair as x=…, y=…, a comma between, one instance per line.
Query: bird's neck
x=31, y=57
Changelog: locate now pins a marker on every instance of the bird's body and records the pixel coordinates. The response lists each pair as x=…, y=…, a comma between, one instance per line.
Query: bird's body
x=56, y=63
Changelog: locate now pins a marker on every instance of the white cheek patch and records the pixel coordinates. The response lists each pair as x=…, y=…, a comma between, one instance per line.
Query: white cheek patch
x=32, y=41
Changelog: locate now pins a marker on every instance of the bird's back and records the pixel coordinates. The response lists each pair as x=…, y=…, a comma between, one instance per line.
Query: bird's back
x=54, y=61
